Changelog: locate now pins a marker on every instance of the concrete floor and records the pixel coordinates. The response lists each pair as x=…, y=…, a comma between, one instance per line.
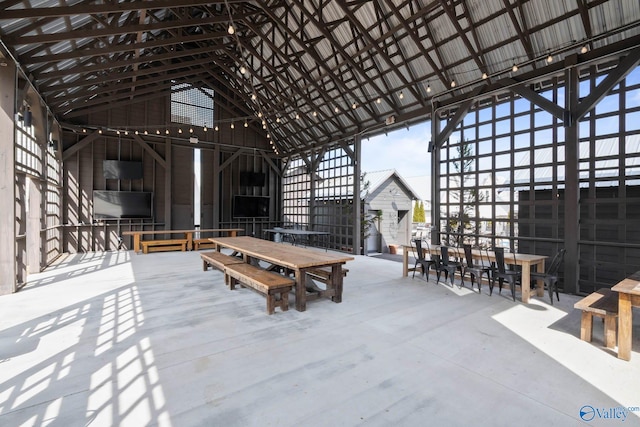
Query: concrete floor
x=105, y=339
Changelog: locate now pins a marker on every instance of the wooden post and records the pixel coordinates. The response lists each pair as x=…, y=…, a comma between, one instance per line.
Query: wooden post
x=7, y=179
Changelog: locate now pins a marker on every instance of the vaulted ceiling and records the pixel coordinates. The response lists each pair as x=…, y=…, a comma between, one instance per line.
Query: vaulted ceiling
x=316, y=71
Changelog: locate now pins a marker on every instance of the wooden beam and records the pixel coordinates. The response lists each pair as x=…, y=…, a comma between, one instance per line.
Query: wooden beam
x=542, y=102
x=80, y=145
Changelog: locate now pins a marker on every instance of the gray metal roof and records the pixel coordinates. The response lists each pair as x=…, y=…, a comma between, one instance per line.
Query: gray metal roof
x=312, y=59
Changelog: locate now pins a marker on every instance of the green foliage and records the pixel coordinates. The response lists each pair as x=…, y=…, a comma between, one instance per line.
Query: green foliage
x=418, y=212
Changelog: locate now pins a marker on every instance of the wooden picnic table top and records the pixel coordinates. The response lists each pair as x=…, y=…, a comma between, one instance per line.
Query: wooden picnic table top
x=293, y=257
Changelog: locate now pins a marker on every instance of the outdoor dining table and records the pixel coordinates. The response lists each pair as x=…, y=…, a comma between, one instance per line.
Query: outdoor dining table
x=526, y=261
x=297, y=259
x=628, y=297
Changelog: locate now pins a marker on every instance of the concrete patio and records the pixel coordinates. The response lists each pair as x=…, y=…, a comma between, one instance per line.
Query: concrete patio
x=115, y=338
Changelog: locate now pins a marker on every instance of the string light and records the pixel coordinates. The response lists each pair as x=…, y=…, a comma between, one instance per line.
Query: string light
x=216, y=128
x=205, y=127
x=549, y=59
x=484, y=76
x=246, y=124
x=428, y=88
x=584, y=49
x=401, y=96
x=379, y=100
x=514, y=68
x=453, y=83
x=231, y=30
x=232, y=125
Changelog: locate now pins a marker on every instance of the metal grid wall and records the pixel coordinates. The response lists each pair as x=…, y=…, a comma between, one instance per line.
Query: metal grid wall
x=502, y=179
x=321, y=199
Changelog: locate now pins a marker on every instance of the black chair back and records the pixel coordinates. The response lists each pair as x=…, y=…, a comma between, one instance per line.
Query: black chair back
x=418, y=246
x=499, y=253
x=553, y=268
x=468, y=256
x=444, y=255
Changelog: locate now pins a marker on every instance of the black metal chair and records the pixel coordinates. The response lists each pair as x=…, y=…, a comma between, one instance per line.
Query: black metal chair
x=501, y=273
x=475, y=270
x=550, y=277
x=421, y=260
x=449, y=266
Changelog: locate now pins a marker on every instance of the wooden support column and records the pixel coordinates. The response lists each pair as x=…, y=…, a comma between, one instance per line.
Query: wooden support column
x=357, y=202
x=7, y=180
x=572, y=187
x=435, y=178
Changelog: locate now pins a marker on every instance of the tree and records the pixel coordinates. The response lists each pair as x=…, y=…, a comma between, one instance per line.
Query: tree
x=460, y=223
x=418, y=212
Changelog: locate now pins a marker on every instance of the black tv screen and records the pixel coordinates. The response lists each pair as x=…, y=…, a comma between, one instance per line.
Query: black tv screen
x=122, y=204
x=121, y=169
x=251, y=206
x=252, y=179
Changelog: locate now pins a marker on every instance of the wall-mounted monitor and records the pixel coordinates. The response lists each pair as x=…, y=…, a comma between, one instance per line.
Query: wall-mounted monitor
x=251, y=206
x=122, y=204
x=122, y=169
x=252, y=179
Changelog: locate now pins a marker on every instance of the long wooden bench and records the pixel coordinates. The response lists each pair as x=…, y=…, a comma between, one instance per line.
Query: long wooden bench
x=272, y=285
x=163, y=245
x=203, y=244
x=602, y=303
x=218, y=260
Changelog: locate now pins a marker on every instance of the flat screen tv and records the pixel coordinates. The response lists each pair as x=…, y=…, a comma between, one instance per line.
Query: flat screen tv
x=122, y=169
x=252, y=179
x=251, y=206
x=122, y=204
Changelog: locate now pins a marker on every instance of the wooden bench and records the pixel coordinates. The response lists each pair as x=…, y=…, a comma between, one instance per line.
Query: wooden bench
x=163, y=245
x=602, y=303
x=218, y=260
x=272, y=285
x=203, y=244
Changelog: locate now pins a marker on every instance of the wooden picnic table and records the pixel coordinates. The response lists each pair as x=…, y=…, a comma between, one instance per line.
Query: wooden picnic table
x=297, y=259
x=628, y=297
x=188, y=234
x=526, y=261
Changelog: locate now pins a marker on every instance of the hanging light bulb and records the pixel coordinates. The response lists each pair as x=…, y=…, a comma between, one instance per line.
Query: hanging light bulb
x=484, y=76
x=428, y=88
x=253, y=97
x=401, y=96
x=246, y=124
x=117, y=132
x=179, y=130
x=297, y=116
x=100, y=131
x=549, y=59
x=126, y=132
x=205, y=127
x=84, y=130
x=584, y=49
x=190, y=130
x=453, y=83
x=277, y=119
x=242, y=69
x=146, y=132
x=136, y=132
x=315, y=114
x=379, y=100
x=216, y=128
x=259, y=114
x=231, y=30
x=232, y=125
x=158, y=132
x=354, y=106
x=514, y=68
x=337, y=110
x=166, y=131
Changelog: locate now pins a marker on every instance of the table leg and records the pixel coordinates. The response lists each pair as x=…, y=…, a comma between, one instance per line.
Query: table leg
x=526, y=282
x=136, y=243
x=540, y=283
x=301, y=292
x=336, y=278
x=405, y=262
x=624, y=326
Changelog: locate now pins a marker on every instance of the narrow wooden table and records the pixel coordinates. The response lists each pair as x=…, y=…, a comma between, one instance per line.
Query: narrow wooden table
x=188, y=234
x=295, y=258
x=525, y=260
x=628, y=297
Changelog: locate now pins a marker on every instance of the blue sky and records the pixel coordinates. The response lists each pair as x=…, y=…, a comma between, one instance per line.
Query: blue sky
x=403, y=150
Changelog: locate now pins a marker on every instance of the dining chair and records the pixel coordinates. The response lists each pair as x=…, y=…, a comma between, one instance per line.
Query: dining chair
x=550, y=277
x=449, y=266
x=501, y=273
x=475, y=270
x=421, y=260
